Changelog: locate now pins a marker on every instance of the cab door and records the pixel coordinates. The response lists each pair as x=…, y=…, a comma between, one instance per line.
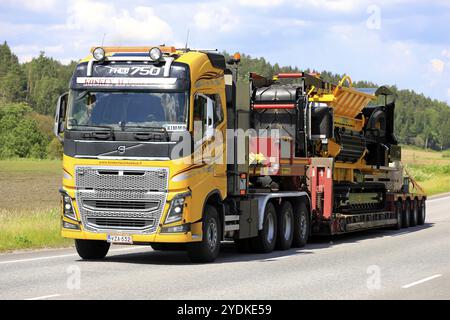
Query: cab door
x=209, y=141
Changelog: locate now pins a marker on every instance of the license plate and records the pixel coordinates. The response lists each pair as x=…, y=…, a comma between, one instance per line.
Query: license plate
x=119, y=239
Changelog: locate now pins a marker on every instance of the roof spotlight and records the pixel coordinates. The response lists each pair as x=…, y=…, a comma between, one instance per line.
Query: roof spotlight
x=155, y=54
x=99, y=54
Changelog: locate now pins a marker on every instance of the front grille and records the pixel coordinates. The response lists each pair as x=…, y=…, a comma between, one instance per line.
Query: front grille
x=120, y=223
x=121, y=178
x=121, y=198
x=123, y=205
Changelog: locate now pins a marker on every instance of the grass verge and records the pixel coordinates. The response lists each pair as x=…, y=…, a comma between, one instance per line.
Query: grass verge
x=31, y=229
x=431, y=169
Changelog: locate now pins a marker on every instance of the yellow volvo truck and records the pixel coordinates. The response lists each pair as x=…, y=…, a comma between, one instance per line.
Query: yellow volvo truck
x=164, y=147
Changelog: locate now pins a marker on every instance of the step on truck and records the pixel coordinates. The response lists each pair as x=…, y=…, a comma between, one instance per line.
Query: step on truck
x=170, y=148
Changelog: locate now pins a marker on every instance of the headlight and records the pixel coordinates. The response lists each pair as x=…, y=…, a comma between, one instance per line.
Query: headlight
x=155, y=54
x=99, y=54
x=68, y=209
x=176, y=208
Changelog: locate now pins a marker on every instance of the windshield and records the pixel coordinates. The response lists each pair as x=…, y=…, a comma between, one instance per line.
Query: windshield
x=121, y=110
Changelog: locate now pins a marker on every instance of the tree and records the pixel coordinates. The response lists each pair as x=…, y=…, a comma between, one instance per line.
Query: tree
x=19, y=133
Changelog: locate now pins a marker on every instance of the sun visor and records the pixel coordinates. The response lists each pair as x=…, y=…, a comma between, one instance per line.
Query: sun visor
x=135, y=76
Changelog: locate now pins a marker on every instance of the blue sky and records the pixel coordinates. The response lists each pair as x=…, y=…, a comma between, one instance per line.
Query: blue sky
x=402, y=42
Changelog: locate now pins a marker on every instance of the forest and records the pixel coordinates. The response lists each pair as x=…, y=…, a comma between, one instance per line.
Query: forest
x=29, y=92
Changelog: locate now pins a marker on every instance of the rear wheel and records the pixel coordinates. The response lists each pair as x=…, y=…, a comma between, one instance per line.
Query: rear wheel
x=301, y=226
x=208, y=249
x=406, y=214
x=285, y=225
x=399, y=214
x=92, y=249
x=414, y=213
x=265, y=241
x=422, y=212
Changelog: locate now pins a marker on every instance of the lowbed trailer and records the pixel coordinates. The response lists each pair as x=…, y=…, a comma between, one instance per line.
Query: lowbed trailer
x=164, y=146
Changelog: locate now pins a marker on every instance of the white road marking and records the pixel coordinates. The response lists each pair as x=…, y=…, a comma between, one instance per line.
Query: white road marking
x=62, y=256
x=406, y=286
x=44, y=297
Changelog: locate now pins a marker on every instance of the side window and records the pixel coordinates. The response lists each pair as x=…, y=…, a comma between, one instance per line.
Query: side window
x=199, y=117
x=218, y=111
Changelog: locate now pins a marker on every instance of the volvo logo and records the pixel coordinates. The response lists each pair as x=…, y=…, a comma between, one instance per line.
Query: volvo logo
x=121, y=149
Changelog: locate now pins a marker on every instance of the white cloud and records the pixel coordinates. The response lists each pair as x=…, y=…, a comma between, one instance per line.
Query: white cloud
x=330, y=5
x=27, y=52
x=33, y=5
x=437, y=65
x=446, y=53
x=448, y=92
x=261, y=3
x=216, y=18
x=132, y=26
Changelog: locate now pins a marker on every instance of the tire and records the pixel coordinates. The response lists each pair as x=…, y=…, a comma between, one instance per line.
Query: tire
x=168, y=246
x=285, y=225
x=92, y=249
x=266, y=239
x=406, y=214
x=208, y=249
x=399, y=213
x=414, y=213
x=422, y=212
x=301, y=226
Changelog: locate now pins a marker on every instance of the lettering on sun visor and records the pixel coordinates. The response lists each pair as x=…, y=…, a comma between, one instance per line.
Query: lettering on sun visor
x=135, y=70
x=124, y=82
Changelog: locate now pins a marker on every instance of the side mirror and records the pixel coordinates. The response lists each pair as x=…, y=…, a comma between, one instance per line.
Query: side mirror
x=209, y=132
x=60, y=116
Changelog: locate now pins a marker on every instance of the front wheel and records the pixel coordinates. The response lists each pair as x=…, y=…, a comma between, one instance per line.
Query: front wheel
x=92, y=249
x=208, y=249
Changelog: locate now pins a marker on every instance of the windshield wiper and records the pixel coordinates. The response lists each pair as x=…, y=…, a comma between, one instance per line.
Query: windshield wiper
x=95, y=134
x=149, y=128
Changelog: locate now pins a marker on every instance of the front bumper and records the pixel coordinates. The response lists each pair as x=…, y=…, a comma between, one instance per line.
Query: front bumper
x=192, y=236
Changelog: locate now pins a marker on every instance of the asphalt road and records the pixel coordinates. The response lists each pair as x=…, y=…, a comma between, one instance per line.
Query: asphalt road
x=412, y=263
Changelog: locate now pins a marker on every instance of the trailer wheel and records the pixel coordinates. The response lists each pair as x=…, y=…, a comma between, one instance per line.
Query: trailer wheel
x=92, y=249
x=414, y=213
x=285, y=223
x=266, y=239
x=208, y=249
x=301, y=226
x=406, y=214
x=399, y=214
x=422, y=213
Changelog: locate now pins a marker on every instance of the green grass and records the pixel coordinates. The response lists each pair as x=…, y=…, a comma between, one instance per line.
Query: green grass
x=30, y=229
x=431, y=169
x=29, y=199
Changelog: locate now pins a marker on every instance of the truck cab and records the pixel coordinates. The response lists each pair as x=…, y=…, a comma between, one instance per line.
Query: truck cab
x=136, y=125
